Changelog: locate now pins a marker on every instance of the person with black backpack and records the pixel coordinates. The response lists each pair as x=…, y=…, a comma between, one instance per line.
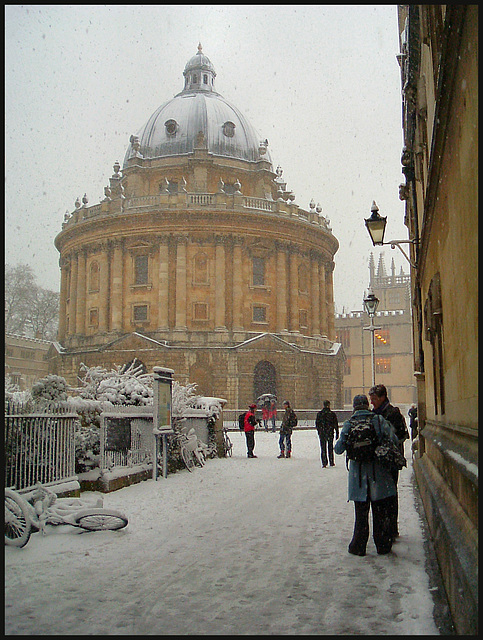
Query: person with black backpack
x=371, y=485
x=382, y=406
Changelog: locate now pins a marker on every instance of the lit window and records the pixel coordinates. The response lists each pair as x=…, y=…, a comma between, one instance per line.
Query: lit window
x=383, y=365
x=258, y=272
x=140, y=313
x=382, y=337
x=141, y=270
x=259, y=314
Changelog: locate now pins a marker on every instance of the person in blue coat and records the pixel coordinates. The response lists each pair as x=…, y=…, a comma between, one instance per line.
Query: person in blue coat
x=371, y=486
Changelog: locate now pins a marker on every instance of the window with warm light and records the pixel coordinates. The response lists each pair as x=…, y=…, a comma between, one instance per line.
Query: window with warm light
x=383, y=365
x=382, y=337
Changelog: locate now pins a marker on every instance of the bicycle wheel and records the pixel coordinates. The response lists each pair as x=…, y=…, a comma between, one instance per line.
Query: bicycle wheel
x=18, y=525
x=100, y=519
x=187, y=458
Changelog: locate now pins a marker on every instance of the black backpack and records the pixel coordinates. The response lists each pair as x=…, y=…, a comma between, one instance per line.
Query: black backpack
x=362, y=439
x=241, y=421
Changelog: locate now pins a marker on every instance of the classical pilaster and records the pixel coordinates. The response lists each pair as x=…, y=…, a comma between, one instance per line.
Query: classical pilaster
x=180, y=317
x=163, y=262
x=73, y=295
x=81, y=294
x=117, y=275
x=324, y=330
x=330, y=300
x=64, y=271
x=103, y=289
x=220, y=322
x=294, y=291
x=315, y=296
x=281, y=289
x=237, y=285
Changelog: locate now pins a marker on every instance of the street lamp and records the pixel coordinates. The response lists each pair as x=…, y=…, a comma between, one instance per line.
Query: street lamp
x=376, y=225
x=370, y=305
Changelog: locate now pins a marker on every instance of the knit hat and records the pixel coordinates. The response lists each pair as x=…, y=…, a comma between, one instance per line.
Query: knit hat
x=360, y=402
x=252, y=406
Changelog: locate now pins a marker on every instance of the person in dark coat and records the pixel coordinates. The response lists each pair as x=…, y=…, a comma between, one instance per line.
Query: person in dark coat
x=326, y=423
x=371, y=485
x=289, y=421
x=249, y=429
x=382, y=406
x=413, y=420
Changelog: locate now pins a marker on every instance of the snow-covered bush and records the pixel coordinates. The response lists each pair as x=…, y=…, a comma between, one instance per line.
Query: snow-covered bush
x=13, y=393
x=119, y=386
x=50, y=390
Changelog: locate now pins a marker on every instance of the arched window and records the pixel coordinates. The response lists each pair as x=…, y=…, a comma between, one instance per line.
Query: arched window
x=94, y=277
x=264, y=379
x=200, y=269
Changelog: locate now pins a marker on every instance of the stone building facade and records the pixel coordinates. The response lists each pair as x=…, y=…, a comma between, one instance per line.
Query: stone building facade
x=393, y=345
x=198, y=259
x=26, y=359
x=439, y=79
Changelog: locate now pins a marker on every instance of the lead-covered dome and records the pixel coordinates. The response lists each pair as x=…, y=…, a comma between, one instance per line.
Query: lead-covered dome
x=174, y=128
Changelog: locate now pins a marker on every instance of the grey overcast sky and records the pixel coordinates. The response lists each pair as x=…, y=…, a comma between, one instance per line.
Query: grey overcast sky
x=321, y=82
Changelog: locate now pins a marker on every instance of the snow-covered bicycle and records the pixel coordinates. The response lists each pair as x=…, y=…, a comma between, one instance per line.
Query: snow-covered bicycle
x=227, y=443
x=25, y=515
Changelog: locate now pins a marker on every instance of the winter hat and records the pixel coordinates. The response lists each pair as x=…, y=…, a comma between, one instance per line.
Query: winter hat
x=360, y=402
x=252, y=406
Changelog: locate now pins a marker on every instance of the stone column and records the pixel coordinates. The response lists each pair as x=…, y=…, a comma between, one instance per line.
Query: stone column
x=163, y=301
x=220, y=322
x=103, y=289
x=73, y=295
x=63, y=299
x=294, y=291
x=323, y=301
x=80, y=326
x=315, y=296
x=237, y=285
x=330, y=300
x=281, y=288
x=116, y=286
x=180, y=319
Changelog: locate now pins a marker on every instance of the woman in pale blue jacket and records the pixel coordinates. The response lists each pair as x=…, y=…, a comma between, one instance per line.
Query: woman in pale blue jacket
x=370, y=485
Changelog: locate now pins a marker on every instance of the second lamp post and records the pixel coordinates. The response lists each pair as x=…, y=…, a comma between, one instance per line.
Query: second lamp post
x=370, y=305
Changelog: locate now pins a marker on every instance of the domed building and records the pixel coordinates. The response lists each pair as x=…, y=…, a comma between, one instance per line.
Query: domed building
x=198, y=259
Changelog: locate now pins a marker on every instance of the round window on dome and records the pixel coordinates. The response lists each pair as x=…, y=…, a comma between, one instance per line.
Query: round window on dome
x=171, y=127
x=229, y=129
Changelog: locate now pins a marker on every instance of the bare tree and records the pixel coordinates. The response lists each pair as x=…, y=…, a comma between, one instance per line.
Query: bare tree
x=29, y=310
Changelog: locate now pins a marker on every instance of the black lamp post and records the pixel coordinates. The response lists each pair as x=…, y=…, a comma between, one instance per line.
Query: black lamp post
x=376, y=225
x=370, y=305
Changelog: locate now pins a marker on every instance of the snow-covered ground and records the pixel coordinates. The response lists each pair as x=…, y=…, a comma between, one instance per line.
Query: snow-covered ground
x=240, y=546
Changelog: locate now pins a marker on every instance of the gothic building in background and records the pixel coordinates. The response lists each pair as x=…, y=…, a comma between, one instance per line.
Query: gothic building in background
x=393, y=353
x=199, y=260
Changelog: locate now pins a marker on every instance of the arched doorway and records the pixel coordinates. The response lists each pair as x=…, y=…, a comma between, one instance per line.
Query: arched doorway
x=264, y=379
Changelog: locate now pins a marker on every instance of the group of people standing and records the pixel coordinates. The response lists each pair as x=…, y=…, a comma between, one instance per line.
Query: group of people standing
x=371, y=485
x=289, y=421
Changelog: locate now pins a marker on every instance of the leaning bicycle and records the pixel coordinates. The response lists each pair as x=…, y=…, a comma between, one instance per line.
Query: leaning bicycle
x=227, y=443
x=25, y=515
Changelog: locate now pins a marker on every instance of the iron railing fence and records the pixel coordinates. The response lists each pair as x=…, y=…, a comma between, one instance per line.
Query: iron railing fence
x=39, y=445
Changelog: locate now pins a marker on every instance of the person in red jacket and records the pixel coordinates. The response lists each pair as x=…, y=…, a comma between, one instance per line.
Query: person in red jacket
x=249, y=428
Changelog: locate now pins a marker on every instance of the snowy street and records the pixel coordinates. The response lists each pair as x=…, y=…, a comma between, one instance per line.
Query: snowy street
x=240, y=546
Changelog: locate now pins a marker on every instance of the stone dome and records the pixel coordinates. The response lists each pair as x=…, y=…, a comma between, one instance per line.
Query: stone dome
x=174, y=128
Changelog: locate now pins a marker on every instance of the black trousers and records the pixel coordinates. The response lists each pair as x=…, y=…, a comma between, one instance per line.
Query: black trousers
x=326, y=446
x=394, y=507
x=250, y=436
x=381, y=521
